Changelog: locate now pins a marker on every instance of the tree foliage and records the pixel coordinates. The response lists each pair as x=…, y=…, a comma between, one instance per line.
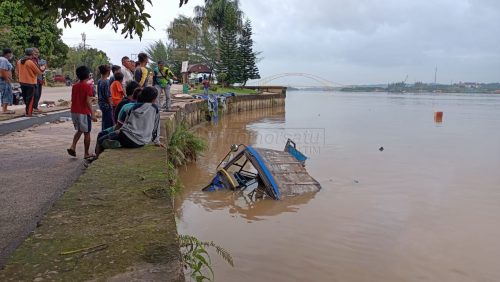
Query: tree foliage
x=90, y=57
x=128, y=16
x=183, y=33
x=247, y=58
x=22, y=29
x=191, y=42
x=219, y=14
x=229, y=56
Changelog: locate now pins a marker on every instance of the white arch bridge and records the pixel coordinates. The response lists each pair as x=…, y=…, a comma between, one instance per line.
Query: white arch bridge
x=323, y=82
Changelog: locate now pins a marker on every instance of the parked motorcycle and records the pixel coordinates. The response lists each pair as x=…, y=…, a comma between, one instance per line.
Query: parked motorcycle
x=16, y=91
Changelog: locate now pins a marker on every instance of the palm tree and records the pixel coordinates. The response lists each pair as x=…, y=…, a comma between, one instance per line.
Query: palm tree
x=158, y=51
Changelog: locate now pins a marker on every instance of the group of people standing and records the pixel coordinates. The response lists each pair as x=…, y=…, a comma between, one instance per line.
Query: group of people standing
x=130, y=108
x=29, y=72
x=114, y=80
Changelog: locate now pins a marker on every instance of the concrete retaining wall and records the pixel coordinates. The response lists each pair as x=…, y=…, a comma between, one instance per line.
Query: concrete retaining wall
x=197, y=112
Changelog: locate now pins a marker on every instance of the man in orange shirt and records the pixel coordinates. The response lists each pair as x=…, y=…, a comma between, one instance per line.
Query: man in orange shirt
x=27, y=72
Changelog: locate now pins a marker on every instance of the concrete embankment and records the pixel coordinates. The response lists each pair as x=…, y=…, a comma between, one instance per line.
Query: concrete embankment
x=105, y=226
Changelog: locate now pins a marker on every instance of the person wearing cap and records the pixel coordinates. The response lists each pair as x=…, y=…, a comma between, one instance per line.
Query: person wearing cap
x=27, y=71
x=6, y=96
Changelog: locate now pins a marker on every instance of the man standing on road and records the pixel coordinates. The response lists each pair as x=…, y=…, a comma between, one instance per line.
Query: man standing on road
x=39, y=79
x=127, y=70
x=27, y=71
x=6, y=96
x=161, y=80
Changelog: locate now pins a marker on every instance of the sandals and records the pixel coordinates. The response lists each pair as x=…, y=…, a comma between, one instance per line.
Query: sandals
x=90, y=158
x=71, y=152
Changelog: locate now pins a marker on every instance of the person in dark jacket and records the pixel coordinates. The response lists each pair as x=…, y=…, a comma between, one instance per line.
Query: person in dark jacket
x=104, y=97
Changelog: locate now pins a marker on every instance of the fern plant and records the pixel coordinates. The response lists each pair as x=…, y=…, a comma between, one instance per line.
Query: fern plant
x=184, y=146
x=196, y=258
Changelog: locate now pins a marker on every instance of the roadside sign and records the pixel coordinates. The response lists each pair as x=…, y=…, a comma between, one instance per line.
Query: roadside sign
x=185, y=66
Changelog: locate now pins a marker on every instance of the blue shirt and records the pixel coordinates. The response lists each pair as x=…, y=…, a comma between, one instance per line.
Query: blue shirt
x=5, y=64
x=122, y=115
x=103, y=92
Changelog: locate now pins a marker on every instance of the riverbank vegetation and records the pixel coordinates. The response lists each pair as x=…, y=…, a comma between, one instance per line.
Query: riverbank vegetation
x=184, y=146
x=196, y=258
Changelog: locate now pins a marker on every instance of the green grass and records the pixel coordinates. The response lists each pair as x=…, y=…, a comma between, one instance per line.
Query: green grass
x=222, y=90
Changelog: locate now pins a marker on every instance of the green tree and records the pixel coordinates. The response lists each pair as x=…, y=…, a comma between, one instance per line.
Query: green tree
x=25, y=29
x=192, y=42
x=127, y=15
x=7, y=39
x=183, y=34
x=219, y=14
x=205, y=50
x=247, y=58
x=90, y=57
x=229, y=56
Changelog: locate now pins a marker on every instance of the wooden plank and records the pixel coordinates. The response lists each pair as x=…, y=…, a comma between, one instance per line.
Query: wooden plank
x=290, y=175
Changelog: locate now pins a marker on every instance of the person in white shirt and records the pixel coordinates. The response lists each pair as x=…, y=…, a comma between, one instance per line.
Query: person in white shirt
x=127, y=70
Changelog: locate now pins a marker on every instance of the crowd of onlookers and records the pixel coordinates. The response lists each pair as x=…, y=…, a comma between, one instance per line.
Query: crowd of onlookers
x=128, y=97
x=129, y=106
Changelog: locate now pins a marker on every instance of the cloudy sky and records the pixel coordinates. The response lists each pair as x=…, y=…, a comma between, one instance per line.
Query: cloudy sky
x=349, y=42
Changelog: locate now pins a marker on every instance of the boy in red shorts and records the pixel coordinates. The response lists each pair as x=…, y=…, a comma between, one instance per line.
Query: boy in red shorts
x=82, y=115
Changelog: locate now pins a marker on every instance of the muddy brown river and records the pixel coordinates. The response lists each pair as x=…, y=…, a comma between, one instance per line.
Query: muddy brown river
x=426, y=208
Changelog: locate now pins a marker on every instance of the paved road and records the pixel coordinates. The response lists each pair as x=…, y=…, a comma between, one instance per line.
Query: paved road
x=34, y=170
x=51, y=94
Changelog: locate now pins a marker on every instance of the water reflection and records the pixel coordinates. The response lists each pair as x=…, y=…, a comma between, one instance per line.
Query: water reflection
x=237, y=130
x=241, y=205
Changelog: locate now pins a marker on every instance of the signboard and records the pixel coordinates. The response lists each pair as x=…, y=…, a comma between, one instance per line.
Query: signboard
x=185, y=66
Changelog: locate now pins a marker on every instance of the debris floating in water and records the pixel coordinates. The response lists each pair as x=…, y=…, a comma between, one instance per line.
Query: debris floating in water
x=438, y=117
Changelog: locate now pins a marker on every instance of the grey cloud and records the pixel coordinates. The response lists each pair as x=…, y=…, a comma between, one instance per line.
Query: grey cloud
x=381, y=37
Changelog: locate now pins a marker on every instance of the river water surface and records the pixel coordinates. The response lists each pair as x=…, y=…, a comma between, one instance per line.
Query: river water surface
x=426, y=208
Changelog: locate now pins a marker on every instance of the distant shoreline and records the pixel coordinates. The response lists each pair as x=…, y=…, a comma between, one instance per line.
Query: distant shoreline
x=409, y=90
